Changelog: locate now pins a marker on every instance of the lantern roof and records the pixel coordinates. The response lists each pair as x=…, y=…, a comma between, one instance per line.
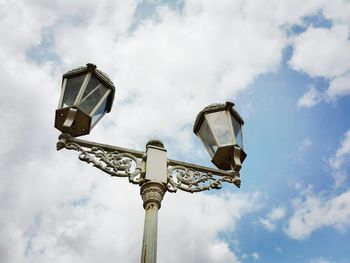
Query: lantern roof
x=214, y=108
x=101, y=76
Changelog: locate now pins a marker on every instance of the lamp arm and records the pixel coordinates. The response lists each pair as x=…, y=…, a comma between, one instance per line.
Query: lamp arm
x=115, y=161
x=195, y=178
x=122, y=162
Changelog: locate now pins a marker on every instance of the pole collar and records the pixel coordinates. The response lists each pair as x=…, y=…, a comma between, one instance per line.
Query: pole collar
x=152, y=194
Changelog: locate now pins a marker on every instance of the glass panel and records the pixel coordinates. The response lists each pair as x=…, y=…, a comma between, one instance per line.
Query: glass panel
x=90, y=100
x=208, y=138
x=238, y=132
x=72, y=89
x=100, y=111
x=219, y=124
x=93, y=83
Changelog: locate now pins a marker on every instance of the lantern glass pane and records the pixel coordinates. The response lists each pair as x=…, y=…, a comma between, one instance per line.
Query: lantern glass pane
x=99, y=112
x=93, y=83
x=71, y=90
x=238, y=132
x=91, y=99
x=220, y=125
x=208, y=138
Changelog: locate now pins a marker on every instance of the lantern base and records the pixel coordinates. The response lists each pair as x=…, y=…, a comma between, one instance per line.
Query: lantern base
x=73, y=121
x=229, y=157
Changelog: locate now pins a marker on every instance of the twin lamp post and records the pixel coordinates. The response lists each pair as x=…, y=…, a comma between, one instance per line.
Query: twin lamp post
x=88, y=93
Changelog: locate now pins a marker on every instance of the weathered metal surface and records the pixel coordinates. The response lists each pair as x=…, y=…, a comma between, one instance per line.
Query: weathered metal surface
x=190, y=180
x=73, y=121
x=100, y=75
x=123, y=162
x=152, y=195
x=156, y=164
x=214, y=108
x=116, y=162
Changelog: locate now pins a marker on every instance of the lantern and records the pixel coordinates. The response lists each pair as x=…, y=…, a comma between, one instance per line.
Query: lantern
x=219, y=126
x=87, y=94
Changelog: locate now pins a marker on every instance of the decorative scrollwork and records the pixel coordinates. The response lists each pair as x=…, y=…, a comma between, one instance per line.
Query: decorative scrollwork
x=115, y=163
x=123, y=162
x=190, y=180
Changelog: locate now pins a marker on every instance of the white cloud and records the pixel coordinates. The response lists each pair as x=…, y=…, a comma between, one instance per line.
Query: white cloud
x=338, y=161
x=304, y=145
x=337, y=11
x=195, y=221
x=277, y=213
x=302, y=148
x=339, y=86
x=314, y=212
x=322, y=52
x=268, y=224
x=325, y=52
x=255, y=255
x=272, y=218
x=310, y=98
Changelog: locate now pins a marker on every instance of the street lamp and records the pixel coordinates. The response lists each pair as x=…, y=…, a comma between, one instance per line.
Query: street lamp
x=219, y=127
x=87, y=94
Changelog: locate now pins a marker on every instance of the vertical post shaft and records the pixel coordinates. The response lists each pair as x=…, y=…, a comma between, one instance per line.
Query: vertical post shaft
x=152, y=194
x=149, y=244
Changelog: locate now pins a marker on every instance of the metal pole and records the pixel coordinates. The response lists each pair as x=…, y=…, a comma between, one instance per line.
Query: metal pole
x=152, y=194
x=149, y=244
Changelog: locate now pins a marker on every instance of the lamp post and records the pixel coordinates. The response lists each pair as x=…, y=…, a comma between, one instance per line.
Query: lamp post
x=87, y=94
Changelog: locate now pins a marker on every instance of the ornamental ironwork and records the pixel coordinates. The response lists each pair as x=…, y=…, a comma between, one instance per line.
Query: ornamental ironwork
x=190, y=180
x=123, y=162
x=115, y=163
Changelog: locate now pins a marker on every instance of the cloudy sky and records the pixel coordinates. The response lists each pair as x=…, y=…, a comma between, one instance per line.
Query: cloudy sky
x=286, y=66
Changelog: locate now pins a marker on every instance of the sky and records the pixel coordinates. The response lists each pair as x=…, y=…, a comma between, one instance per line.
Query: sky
x=284, y=63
